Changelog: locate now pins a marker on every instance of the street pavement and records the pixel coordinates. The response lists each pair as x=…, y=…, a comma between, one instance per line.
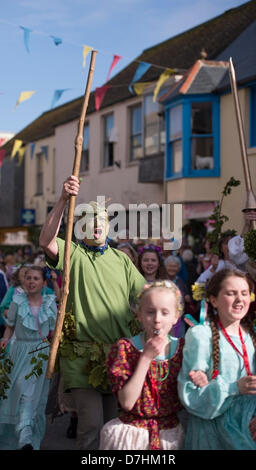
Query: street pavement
x=55, y=435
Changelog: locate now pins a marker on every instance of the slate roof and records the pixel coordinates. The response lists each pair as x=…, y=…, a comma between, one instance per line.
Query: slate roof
x=203, y=77
x=242, y=51
x=179, y=52
x=208, y=77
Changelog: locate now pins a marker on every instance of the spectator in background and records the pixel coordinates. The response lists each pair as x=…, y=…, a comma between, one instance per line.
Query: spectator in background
x=19, y=258
x=221, y=261
x=204, y=259
x=191, y=263
x=27, y=254
x=10, y=267
x=17, y=287
x=150, y=263
x=172, y=266
x=52, y=276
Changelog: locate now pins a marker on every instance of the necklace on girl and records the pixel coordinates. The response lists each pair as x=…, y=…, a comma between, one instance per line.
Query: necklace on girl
x=244, y=355
x=158, y=375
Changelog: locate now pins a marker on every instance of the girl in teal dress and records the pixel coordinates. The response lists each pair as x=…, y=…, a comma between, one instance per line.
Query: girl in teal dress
x=222, y=408
x=32, y=317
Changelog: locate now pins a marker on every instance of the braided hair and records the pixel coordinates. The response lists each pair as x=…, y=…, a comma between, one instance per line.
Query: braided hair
x=213, y=288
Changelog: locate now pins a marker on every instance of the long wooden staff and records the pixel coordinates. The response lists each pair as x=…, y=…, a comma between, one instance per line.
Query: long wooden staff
x=69, y=227
x=251, y=200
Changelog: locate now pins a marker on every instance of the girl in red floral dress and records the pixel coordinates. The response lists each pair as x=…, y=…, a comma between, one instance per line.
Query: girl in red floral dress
x=143, y=373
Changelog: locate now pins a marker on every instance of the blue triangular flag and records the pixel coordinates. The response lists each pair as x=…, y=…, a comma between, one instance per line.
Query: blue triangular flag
x=57, y=95
x=56, y=40
x=142, y=68
x=32, y=149
x=27, y=32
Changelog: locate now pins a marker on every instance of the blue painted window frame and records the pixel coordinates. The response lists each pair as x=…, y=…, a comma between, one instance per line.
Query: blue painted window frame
x=187, y=171
x=252, y=108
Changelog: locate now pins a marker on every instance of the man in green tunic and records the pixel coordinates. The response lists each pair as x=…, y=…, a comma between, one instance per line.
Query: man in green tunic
x=103, y=282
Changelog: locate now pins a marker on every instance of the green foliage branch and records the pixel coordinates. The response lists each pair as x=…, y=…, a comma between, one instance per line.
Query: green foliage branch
x=218, y=219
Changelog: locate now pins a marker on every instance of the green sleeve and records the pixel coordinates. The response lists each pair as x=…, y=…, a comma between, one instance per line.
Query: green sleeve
x=215, y=398
x=137, y=281
x=60, y=262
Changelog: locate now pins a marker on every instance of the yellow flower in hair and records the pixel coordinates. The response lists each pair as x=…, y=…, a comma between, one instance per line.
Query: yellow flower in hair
x=252, y=297
x=198, y=291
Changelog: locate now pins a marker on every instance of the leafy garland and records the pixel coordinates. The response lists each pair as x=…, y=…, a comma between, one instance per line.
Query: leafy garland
x=218, y=219
x=37, y=360
x=5, y=369
x=94, y=354
x=68, y=331
x=250, y=244
x=95, y=365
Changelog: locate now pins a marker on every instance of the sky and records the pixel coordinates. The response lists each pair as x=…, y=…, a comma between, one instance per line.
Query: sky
x=122, y=27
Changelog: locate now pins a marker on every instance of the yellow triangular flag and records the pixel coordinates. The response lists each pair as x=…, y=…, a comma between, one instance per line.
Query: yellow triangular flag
x=24, y=96
x=16, y=146
x=86, y=50
x=163, y=77
x=21, y=153
x=139, y=87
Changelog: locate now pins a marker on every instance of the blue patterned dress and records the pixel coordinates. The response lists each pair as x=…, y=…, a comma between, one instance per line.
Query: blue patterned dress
x=24, y=407
x=219, y=416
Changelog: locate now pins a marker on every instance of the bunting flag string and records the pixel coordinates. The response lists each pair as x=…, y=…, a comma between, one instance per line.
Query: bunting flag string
x=86, y=50
x=57, y=41
x=27, y=32
x=99, y=96
x=56, y=96
x=19, y=147
x=24, y=95
x=116, y=59
x=140, y=87
x=140, y=71
x=135, y=86
x=163, y=77
x=16, y=147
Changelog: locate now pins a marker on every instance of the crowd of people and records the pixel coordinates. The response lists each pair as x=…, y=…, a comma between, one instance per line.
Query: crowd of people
x=169, y=385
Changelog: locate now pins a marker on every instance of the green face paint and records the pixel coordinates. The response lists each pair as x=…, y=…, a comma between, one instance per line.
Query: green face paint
x=97, y=225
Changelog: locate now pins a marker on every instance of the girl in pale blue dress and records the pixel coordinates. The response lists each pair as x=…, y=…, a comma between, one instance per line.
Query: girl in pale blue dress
x=222, y=408
x=32, y=317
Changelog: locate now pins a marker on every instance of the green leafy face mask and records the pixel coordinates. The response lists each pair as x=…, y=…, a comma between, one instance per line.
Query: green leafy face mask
x=96, y=226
